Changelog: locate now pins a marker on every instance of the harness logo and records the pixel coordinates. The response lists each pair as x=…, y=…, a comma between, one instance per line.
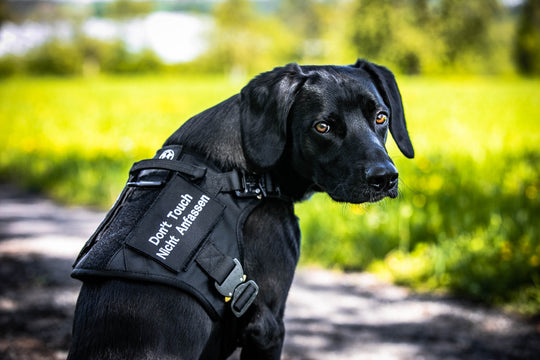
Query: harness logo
x=167, y=154
x=176, y=225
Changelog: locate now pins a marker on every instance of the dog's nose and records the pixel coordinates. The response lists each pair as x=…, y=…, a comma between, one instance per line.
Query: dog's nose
x=382, y=177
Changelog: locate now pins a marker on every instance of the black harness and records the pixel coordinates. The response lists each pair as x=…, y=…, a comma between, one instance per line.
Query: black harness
x=179, y=222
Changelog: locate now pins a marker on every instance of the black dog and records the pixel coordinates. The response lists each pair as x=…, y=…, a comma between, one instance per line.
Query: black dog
x=313, y=129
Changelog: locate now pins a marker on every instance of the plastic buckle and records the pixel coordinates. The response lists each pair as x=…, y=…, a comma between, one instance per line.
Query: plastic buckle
x=234, y=287
x=235, y=278
x=253, y=187
x=243, y=297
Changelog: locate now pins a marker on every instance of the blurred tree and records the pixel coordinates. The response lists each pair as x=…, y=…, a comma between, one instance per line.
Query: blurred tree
x=391, y=31
x=36, y=10
x=234, y=18
x=234, y=14
x=304, y=18
x=372, y=27
x=527, y=42
x=117, y=58
x=5, y=12
x=126, y=9
x=421, y=9
x=55, y=57
x=464, y=26
x=244, y=41
x=416, y=35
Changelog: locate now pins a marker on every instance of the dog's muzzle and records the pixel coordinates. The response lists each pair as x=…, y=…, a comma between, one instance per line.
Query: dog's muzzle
x=382, y=178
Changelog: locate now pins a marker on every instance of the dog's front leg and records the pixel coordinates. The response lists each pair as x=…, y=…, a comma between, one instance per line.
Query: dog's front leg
x=263, y=335
x=272, y=243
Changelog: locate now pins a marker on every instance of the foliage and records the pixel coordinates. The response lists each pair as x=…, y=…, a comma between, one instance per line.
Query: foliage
x=126, y=9
x=390, y=31
x=427, y=37
x=55, y=57
x=464, y=26
x=244, y=41
x=411, y=37
x=466, y=220
x=10, y=65
x=82, y=56
x=118, y=60
x=527, y=44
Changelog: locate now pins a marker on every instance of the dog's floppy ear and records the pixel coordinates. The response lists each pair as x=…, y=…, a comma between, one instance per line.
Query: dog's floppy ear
x=265, y=103
x=386, y=85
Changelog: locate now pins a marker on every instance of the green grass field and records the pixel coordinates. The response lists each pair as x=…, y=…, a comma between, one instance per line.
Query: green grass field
x=467, y=219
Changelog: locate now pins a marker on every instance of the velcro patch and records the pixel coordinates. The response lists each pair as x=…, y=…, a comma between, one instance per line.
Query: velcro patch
x=175, y=226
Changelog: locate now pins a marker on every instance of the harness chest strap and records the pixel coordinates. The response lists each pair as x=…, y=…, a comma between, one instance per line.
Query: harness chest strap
x=244, y=185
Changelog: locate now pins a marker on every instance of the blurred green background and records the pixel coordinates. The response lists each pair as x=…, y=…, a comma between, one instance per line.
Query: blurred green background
x=77, y=110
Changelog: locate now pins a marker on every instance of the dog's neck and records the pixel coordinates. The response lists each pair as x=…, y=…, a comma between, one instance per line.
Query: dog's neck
x=292, y=184
x=215, y=134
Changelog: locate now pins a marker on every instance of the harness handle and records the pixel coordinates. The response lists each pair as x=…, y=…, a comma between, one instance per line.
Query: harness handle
x=192, y=171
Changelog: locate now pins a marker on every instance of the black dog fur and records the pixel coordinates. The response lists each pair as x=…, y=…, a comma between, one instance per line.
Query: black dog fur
x=314, y=128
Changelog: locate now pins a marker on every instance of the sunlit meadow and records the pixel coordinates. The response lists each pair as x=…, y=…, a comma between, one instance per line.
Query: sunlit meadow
x=467, y=218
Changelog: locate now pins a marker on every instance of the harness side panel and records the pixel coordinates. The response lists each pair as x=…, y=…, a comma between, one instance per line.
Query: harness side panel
x=141, y=237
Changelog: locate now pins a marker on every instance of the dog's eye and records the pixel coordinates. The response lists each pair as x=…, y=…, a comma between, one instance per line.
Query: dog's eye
x=322, y=127
x=381, y=118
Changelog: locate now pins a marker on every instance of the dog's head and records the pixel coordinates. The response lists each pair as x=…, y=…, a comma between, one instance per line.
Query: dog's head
x=329, y=123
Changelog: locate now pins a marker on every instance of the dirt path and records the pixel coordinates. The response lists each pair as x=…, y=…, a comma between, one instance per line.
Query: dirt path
x=330, y=316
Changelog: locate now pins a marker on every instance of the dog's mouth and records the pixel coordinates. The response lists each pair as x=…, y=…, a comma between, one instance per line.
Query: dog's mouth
x=360, y=194
x=361, y=184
